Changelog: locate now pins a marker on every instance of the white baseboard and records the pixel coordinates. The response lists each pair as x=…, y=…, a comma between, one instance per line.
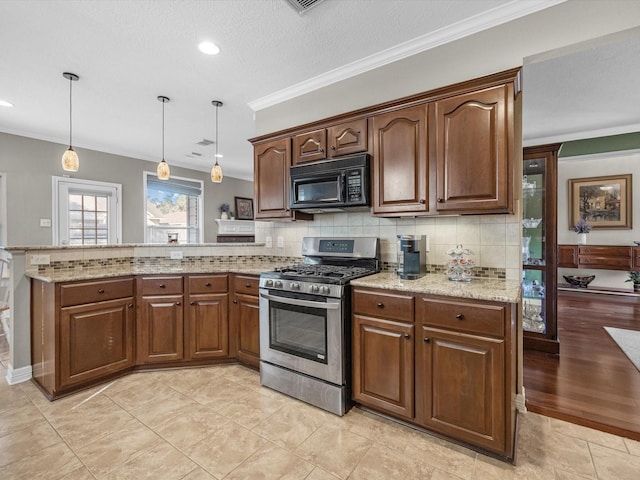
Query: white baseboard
x=521, y=402
x=18, y=375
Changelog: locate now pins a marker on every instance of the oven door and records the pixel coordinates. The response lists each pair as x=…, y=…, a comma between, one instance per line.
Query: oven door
x=303, y=333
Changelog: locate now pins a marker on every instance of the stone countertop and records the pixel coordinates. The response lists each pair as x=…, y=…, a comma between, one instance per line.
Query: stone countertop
x=97, y=273
x=438, y=284
x=29, y=248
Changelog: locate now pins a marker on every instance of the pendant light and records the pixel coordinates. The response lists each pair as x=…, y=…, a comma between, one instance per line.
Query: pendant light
x=70, y=161
x=163, y=167
x=216, y=170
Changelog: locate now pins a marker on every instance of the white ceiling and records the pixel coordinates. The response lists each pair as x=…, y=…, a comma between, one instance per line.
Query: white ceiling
x=129, y=52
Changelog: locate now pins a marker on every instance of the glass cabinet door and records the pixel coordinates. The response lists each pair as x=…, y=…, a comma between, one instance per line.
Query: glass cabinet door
x=539, y=218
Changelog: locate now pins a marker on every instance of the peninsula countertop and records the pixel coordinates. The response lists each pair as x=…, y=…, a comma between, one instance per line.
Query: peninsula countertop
x=438, y=284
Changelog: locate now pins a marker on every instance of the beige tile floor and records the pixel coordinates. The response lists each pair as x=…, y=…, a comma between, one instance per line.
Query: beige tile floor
x=218, y=422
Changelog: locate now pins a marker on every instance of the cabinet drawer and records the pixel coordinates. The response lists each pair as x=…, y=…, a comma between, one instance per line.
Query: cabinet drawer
x=161, y=285
x=91, y=292
x=380, y=304
x=605, y=251
x=463, y=316
x=245, y=284
x=207, y=284
x=614, y=263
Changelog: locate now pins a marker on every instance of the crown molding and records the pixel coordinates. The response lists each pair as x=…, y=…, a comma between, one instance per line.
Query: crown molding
x=484, y=21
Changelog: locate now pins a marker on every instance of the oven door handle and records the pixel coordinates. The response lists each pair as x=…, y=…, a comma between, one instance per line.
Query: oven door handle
x=302, y=303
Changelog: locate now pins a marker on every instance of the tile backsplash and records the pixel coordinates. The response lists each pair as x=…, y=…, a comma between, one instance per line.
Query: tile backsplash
x=495, y=239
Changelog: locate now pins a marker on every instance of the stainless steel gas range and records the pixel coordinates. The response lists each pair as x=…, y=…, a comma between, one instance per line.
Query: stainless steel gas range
x=305, y=320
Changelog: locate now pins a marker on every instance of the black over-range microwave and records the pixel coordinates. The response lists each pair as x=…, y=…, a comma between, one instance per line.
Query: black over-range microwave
x=333, y=185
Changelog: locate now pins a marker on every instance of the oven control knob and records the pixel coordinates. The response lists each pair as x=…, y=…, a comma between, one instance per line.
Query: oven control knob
x=295, y=286
x=278, y=284
x=326, y=290
x=269, y=283
x=314, y=288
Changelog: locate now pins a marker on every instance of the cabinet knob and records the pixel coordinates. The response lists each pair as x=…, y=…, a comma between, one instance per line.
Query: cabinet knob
x=248, y=285
x=130, y=305
x=162, y=285
x=207, y=284
x=459, y=316
x=333, y=147
x=192, y=303
x=427, y=339
x=440, y=200
x=235, y=301
x=423, y=201
x=407, y=336
x=178, y=303
x=101, y=290
x=381, y=305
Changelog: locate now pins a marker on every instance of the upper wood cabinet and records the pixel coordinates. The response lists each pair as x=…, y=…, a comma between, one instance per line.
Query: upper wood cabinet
x=271, y=162
x=334, y=141
x=474, y=144
x=400, y=173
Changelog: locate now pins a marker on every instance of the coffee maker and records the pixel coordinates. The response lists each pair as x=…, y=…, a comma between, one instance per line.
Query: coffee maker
x=412, y=256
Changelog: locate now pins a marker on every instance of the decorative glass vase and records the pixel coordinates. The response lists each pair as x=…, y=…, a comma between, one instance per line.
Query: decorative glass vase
x=582, y=239
x=526, y=241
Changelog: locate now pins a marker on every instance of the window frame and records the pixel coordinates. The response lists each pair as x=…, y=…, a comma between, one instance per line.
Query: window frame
x=200, y=206
x=64, y=185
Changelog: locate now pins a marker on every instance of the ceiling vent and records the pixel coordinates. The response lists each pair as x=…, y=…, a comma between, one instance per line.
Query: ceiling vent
x=302, y=6
x=205, y=143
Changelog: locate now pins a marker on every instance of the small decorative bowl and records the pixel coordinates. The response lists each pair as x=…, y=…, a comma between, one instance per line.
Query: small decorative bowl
x=636, y=242
x=531, y=222
x=577, y=281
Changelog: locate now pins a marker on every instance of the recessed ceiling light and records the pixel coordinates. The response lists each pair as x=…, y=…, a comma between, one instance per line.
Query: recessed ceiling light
x=209, y=48
x=4, y=103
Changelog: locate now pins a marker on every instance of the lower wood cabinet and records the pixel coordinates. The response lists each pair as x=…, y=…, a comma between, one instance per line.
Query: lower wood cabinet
x=449, y=367
x=244, y=320
x=606, y=257
x=207, y=326
x=83, y=332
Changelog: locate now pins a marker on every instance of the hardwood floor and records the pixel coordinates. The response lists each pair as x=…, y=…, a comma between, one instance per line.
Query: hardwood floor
x=591, y=382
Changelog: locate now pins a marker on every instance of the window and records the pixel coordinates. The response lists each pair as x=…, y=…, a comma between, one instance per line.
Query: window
x=173, y=210
x=86, y=212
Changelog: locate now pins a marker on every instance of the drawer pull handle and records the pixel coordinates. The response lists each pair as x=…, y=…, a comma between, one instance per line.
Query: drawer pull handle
x=407, y=336
x=441, y=200
x=427, y=339
x=423, y=201
x=459, y=316
x=235, y=301
x=178, y=303
x=248, y=285
x=380, y=305
x=207, y=284
x=162, y=285
x=101, y=290
x=192, y=303
x=130, y=305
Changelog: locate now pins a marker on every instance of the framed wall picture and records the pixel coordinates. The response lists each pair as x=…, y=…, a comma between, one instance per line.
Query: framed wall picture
x=244, y=208
x=604, y=202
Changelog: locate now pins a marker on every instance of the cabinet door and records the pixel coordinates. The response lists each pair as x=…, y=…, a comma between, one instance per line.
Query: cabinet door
x=208, y=326
x=310, y=146
x=474, y=151
x=347, y=138
x=271, y=179
x=400, y=167
x=160, y=329
x=246, y=319
x=568, y=256
x=460, y=386
x=383, y=365
x=95, y=340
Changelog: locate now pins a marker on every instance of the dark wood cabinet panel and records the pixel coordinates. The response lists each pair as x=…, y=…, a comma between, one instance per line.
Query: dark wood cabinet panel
x=207, y=329
x=95, y=340
x=474, y=145
x=271, y=164
x=461, y=386
x=383, y=365
x=400, y=175
x=244, y=320
x=160, y=330
x=347, y=138
x=310, y=146
x=90, y=292
x=392, y=306
x=636, y=258
x=568, y=256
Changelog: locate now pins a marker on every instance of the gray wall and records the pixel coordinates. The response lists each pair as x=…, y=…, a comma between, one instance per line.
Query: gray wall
x=29, y=165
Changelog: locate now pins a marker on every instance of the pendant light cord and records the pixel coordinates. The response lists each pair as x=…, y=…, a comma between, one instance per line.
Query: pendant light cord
x=163, y=130
x=217, y=133
x=70, y=110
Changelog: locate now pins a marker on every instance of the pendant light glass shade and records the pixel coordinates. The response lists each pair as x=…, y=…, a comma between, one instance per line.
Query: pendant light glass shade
x=163, y=170
x=216, y=170
x=70, y=161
